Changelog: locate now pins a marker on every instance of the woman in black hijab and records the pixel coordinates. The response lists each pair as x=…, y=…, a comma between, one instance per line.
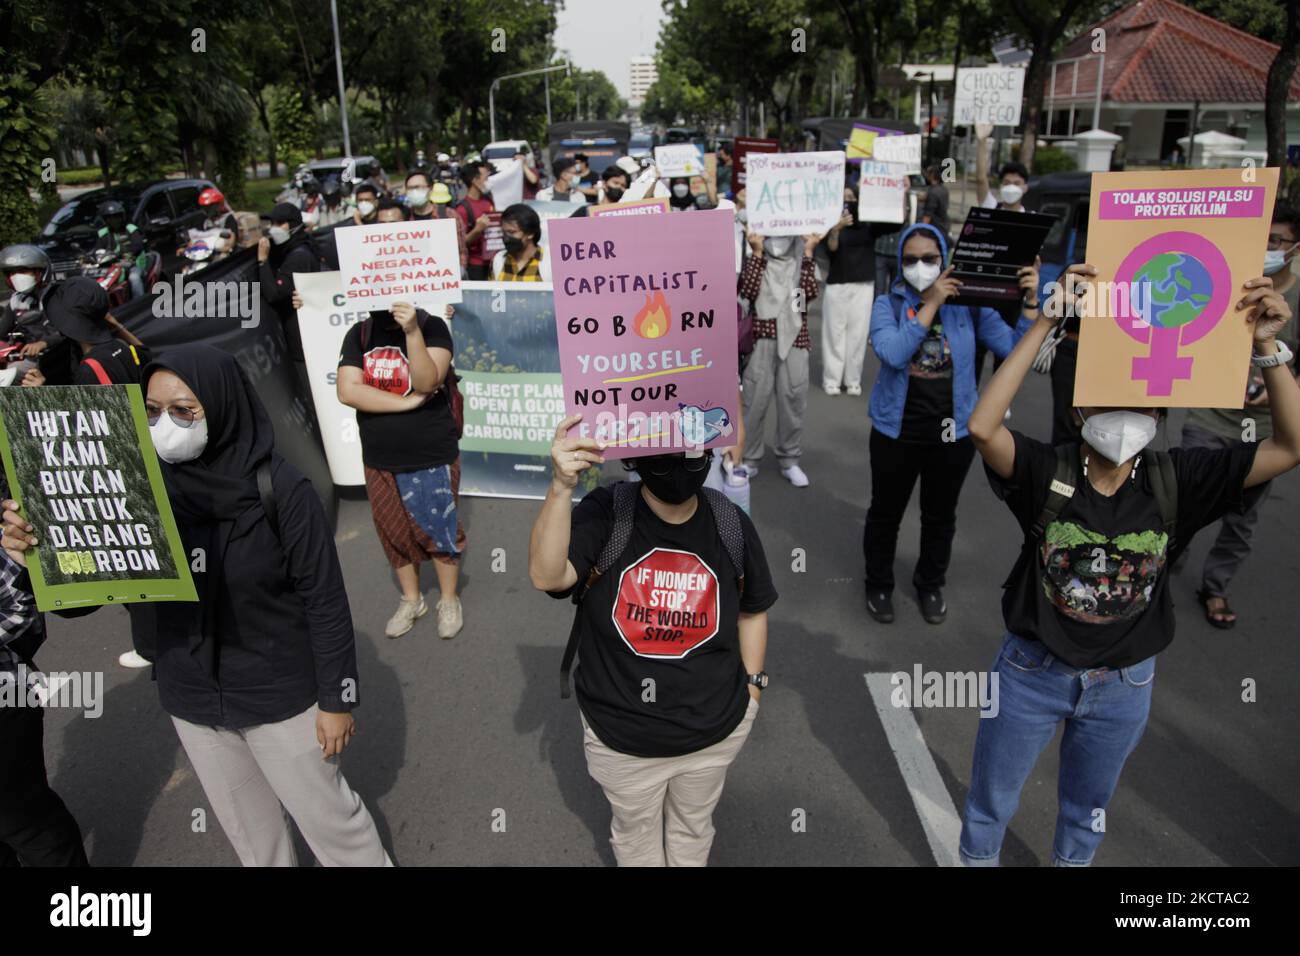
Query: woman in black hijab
x=260, y=673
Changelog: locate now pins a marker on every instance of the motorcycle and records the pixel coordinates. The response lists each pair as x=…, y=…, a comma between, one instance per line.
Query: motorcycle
x=203, y=247
x=113, y=273
x=13, y=366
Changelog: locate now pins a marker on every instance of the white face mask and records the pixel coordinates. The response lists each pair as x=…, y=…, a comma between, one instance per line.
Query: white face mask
x=778, y=247
x=680, y=190
x=22, y=282
x=175, y=444
x=1119, y=435
x=921, y=276
x=417, y=197
x=310, y=216
x=1274, y=261
x=365, y=207
x=279, y=235
x=1011, y=193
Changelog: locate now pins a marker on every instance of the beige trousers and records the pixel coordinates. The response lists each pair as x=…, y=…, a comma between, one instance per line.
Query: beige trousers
x=258, y=777
x=663, y=806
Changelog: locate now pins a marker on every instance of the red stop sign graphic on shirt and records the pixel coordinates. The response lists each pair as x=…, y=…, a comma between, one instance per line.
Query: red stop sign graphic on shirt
x=386, y=367
x=666, y=604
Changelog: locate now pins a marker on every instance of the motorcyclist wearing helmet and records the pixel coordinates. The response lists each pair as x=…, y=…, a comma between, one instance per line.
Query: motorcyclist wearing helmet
x=28, y=278
x=220, y=229
x=124, y=240
x=309, y=198
x=333, y=209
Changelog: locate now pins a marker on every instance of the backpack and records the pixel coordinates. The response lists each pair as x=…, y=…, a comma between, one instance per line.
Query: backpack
x=449, y=386
x=726, y=519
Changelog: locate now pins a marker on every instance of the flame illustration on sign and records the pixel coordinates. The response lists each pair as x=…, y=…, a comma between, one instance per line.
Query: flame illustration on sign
x=652, y=321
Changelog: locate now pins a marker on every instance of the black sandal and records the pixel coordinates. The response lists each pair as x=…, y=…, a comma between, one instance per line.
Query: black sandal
x=1220, y=622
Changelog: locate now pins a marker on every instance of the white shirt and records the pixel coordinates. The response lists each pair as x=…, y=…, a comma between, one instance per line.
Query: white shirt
x=548, y=195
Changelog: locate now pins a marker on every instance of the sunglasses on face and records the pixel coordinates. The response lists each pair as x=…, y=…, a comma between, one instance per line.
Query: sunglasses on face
x=932, y=259
x=182, y=416
x=660, y=465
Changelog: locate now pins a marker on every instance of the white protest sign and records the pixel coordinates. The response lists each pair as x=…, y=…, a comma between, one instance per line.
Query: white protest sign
x=387, y=262
x=991, y=94
x=679, y=159
x=324, y=319
x=882, y=191
x=507, y=183
x=643, y=183
x=794, y=194
x=904, y=149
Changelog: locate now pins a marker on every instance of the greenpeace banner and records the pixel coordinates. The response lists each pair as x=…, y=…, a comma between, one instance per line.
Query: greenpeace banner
x=324, y=319
x=387, y=262
x=645, y=314
x=794, y=194
x=509, y=367
x=80, y=462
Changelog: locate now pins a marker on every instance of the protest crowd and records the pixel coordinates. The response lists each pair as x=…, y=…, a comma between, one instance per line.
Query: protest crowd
x=653, y=544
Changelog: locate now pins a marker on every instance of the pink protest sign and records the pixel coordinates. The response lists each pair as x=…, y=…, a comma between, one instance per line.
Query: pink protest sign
x=1234, y=202
x=645, y=314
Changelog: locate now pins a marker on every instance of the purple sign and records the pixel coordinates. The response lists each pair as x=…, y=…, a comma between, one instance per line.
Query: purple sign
x=645, y=314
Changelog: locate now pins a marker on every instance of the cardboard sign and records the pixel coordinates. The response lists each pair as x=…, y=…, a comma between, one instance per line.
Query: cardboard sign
x=493, y=239
x=884, y=146
x=742, y=146
x=795, y=194
x=882, y=192
x=387, y=262
x=639, y=207
x=645, y=313
x=679, y=159
x=80, y=462
x=991, y=94
x=1172, y=250
x=506, y=184
x=991, y=249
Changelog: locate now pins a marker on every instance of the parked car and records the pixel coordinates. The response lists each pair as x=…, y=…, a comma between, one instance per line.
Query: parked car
x=335, y=167
x=1066, y=197
x=508, y=149
x=164, y=210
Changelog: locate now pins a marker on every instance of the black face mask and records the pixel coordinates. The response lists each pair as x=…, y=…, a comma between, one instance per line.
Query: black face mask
x=680, y=484
x=514, y=244
x=613, y=193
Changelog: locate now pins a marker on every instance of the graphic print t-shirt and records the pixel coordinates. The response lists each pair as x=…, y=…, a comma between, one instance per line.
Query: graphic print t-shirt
x=1096, y=592
x=929, y=388
x=668, y=612
x=424, y=437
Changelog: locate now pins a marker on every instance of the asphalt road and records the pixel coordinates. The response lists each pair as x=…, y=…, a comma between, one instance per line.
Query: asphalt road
x=457, y=734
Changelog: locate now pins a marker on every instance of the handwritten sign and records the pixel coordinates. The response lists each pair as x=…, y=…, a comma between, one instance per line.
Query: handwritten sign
x=991, y=94
x=794, y=194
x=884, y=146
x=639, y=207
x=1172, y=250
x=882, y=191
x=741, y=148
x=645, y=314
x=387, y=262
x=679, y=159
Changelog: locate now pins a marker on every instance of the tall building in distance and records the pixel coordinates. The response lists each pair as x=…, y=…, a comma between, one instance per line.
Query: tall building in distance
x=643, y=75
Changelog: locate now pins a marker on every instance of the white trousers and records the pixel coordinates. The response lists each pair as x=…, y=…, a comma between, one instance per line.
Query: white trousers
x=846, y=320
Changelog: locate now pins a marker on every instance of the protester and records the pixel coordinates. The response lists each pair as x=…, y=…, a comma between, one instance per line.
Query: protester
x=395, y=370
x=105, y=353
x=613, y=183
x=286, y=249
x=680, y=197
x=919, y=406
x=367, y=208
x=1087, y=607
x=935, y=210
x=661, y=759
x=1013, y=178
x=778, y=366
x=1229, y=427
x=531, y=179
x=259, y=676
x=125, y=241
x=723, y=176
x=846, y=309
x=473, y=213
x=522, y=259
x=565, y=188
x=426, y=200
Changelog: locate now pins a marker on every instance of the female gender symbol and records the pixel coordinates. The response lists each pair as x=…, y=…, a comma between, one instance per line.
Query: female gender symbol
x=1163, y=365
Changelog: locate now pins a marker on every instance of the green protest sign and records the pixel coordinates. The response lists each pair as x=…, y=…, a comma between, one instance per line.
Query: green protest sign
x=79, y=461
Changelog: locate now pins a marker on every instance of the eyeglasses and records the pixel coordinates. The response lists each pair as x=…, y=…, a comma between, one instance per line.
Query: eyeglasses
x=933, y=259
x=1277, y=242
x=660, y=465
x=182, y=416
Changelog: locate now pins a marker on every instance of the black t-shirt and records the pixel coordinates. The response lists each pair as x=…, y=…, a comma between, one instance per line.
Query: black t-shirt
x=1097, y=591
x=675, y=622
x=424, y=437
x=121, y=364
x=929, y=388
x=853, y=259
x=936, y=207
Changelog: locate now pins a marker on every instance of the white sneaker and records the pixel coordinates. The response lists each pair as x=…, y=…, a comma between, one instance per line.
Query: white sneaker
x=794, y=474
x=404, y=618
x=830, y=389
x=1006, y=417
x=132, y=659
x=737, y=475
x=854, y=390
x=450, y=619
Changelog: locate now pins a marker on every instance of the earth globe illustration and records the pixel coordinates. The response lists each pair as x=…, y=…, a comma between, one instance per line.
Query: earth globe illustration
x=1180, y=288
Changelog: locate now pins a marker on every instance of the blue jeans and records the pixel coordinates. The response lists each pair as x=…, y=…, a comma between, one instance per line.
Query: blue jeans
x=1105, y=712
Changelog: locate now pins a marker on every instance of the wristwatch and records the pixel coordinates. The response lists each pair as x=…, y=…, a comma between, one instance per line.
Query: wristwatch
x=759, y=680
x=1282, y=356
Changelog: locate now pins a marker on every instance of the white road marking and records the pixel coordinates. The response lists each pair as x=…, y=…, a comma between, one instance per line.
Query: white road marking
x=938, y=815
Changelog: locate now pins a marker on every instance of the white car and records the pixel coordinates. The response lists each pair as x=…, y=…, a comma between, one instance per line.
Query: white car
x=508, y=149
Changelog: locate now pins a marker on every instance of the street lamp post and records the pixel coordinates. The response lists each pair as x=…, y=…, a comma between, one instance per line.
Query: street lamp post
x=492, y=108
x=338, y=62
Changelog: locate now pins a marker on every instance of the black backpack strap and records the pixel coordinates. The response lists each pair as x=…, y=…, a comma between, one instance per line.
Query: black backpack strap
x=726, y=518
x=464, y=203
x=1164, y=485
x=625, y=493
x=266, y=489
x=1061, y=489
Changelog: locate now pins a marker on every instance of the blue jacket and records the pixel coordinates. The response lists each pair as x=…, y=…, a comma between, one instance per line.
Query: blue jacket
x=895, y=337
